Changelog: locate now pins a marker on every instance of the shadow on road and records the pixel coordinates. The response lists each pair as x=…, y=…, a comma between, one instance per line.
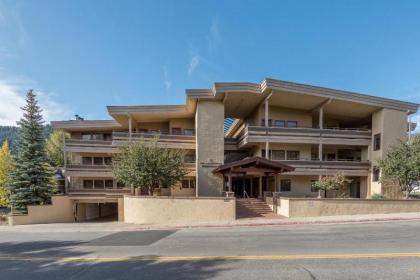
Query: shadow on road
x=57, y=269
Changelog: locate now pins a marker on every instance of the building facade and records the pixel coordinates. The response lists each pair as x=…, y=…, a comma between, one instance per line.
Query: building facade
x=317, y=131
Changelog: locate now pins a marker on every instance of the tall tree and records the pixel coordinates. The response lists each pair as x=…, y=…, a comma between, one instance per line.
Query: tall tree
x=402, y=165
x=54, y=148
x=32, y=181
x=6, y=167
x=148, y=166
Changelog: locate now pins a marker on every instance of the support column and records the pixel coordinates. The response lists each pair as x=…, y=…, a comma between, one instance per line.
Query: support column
x=321, y=118
x=260, y=187
x=267, y=149
x=320, y=150
x=252, y=185
x=276, y=182
x=230, y=183
x=130, y=126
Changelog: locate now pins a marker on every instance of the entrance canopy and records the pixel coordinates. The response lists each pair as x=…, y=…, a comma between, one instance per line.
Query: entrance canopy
x=253, y=166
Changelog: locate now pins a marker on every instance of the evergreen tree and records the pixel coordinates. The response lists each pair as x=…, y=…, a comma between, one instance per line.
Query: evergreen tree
x=6, y=167
x=32, y=181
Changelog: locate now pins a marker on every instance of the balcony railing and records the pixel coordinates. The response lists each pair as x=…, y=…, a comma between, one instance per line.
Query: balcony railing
x=344, y=136
x=329, y=164
x=103, y=191
x=165, y=140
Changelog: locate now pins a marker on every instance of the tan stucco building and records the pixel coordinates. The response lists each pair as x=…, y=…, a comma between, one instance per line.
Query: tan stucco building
x=317, y=131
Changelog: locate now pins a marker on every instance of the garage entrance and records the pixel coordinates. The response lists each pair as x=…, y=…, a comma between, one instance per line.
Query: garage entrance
x=96, y=211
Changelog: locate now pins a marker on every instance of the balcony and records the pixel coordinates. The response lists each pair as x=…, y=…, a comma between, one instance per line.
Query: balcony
x=88, y=146
x=164, y=140
x=338, y=136
x=102, y=192
x=84, y=170
x=316, y=167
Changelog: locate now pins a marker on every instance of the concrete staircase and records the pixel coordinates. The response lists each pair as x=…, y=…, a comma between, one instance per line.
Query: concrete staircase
x=252, y=208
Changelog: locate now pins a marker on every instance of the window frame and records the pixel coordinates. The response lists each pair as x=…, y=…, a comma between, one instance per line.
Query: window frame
x=176, y=131
x=85, y=183
x=377, y=142
x=288, y=185
x=289, y=122
x=273, y=152
x=191, y=131
x=288, y=155
x=277, y=121
x=376, y=174
x=87, y=161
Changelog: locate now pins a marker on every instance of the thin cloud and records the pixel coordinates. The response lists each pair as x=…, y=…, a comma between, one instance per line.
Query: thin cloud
x=12, y=95
x=194, y=60
x=214, y=38
x=166, y=80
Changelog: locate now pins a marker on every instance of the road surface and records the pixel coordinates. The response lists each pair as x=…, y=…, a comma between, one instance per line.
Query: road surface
x=388, y=250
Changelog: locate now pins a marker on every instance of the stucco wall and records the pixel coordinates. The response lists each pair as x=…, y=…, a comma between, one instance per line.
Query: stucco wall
x=210, y=147
x=180, y=210
x=60, y=211
x=392, y=125
x=303, y=118
x=306, y=207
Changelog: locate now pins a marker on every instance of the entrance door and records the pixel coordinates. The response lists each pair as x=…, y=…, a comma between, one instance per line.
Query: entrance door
x=355, y=188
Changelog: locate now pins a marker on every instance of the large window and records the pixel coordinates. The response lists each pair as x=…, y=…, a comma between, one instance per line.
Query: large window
x=263, y=122
x=292, y=124
x=189, y=158
x=279, y=123
x=293, y=155
x=176, y=131
x=99, y=184
x=277, y=154
x=188, y=183
x=87, y=160
x=88, y=184
x=98, y=160
x=375, y=174
x=285, y=185
x=108, y=160
x=188, y=131
x=377, y=142
x=109, y=184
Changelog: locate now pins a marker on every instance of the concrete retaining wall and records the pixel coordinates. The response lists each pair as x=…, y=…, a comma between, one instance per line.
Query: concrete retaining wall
x=60, y=211
x=309, y=207
x=178, y=210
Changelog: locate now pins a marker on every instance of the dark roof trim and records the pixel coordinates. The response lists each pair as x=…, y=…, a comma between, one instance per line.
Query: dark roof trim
x=254, y=161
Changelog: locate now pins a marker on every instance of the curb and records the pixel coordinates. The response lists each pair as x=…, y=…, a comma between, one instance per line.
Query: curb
x=286, y=223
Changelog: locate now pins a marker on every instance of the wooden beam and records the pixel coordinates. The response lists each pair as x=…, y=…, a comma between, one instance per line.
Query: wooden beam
x=322, y=104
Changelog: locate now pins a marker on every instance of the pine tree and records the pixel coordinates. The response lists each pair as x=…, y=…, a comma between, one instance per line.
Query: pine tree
x=6, y=167
x=32, y=181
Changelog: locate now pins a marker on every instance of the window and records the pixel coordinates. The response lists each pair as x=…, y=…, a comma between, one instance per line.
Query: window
x=88, y=184
x=293, y=155
x=99, y=184
x=176, y=131
x=142, y=130
x=292, y=124
x=330, y=157
x=189, y=131
x=185, y=184
x=277, y=154
x=97, y=136
x=263, y=122
x=108, y=160
x=86, y=136
x=98, y=161
x=109, y=184
x=86, y=160
x=188, y=183
x=120, y=185
x=375, y=174
x=279, y=123
x=285, y=185
x=313, y=188
x=107, y=136
x=189, y=158
x=377, y=142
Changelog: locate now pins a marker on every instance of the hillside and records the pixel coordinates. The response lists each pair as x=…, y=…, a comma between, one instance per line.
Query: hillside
x=10, y=133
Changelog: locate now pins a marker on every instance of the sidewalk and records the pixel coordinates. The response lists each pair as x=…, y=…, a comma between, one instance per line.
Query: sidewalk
x=254, y=222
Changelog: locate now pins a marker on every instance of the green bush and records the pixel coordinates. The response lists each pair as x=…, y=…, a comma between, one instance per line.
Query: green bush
x=377, y=196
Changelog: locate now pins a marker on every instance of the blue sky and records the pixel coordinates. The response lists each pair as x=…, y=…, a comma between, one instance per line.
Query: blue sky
x=83, y=55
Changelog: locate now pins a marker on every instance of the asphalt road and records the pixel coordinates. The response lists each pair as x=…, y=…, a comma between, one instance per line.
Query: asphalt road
x=354, y=251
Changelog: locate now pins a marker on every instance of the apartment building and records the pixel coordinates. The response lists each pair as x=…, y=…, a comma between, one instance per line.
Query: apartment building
x=281, y=137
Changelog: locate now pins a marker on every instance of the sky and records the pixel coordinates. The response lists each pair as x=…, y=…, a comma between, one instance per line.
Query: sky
x=80, y=56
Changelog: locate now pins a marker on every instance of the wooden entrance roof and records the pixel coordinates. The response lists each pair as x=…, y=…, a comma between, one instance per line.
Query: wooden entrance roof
x=255, y=165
